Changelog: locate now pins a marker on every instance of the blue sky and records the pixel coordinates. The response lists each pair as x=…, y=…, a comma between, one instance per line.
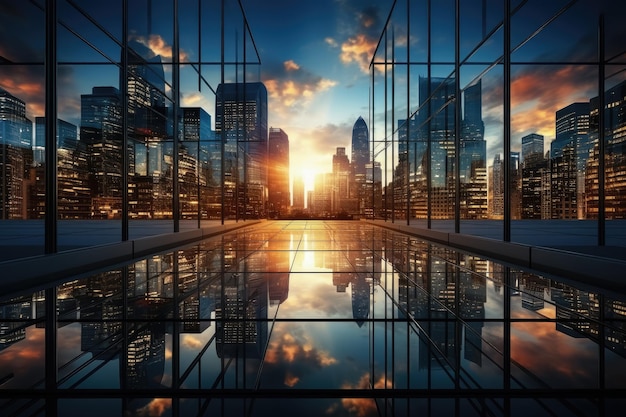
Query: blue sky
x=315, y=57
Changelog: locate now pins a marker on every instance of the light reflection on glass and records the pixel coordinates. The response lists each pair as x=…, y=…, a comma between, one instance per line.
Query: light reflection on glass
x=335, y=308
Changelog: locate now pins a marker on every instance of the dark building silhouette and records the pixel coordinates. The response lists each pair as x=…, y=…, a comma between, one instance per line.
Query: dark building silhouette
x=279, y=198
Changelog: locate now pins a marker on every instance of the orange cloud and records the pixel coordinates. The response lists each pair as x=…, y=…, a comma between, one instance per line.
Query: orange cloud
x=536, y=95
x=291, y=65
x=363, y=407
x=159, y=46
x=527, y=348
x=291, y=380
x=293, y=92
x=360, y=50
x=155, y=408
x=191, y=342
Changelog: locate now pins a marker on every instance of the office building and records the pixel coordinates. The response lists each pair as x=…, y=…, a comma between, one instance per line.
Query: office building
x=241, y=121
x=279, y=198
x=143, y=283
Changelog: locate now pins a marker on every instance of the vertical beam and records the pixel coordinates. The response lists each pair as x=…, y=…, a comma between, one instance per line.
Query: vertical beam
x=601, y=140
x=408, y=113
x=50, y=338
x=124, y=104
x=50, y=223
x=386, y=136
x=223, y=102
x=175, y=116
x=429, y=156
x=361, y=186
x=393, y=123
x=457, y=117
x=507, y=121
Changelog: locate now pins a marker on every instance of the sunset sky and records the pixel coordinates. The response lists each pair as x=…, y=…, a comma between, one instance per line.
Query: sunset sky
x=314, y=61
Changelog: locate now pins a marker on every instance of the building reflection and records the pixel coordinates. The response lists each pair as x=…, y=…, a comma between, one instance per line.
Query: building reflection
x=227, y=294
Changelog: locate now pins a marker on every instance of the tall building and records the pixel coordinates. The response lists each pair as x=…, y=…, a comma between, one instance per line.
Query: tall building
x=279, y=198
x=298, y=193
x=198, y=164
x=532, y=146
x=72, y=173
x=615, y=155
x=360, y=147
x=569, y=153
x=496, y=188
x=149, y=127
x=101, y=130
x=241, y=119
x=533, y=168
x=15, y=154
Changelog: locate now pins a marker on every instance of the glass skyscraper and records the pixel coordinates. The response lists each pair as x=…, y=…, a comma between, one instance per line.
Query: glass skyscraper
x=448, y=265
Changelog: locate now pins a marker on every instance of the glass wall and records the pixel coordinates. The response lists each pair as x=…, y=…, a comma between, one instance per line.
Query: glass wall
x=508, y=136
x=132, y=86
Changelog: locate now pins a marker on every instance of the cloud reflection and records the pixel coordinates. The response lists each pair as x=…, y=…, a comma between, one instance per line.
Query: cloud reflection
x=155, y=408
x=364, y=407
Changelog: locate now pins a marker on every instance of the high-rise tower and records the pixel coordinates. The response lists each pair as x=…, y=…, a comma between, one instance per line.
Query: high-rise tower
x=360, y=147
x=278, y=172
x=241, y=120
x=15, y=154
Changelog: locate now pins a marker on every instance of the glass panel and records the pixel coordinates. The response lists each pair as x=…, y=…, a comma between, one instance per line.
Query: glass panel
x=335, y=307
x=550, y=181
x=22, y=95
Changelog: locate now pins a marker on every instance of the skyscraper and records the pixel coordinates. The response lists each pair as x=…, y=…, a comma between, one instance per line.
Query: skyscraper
x=532, y=146
x=101, y=130
x=569, y=153
x=615, y=151
x=74, y=197
x=279, y=198
x=298, y=193
x=15, y=154
x=360, y=147
x=241, y=120
x=534, y=169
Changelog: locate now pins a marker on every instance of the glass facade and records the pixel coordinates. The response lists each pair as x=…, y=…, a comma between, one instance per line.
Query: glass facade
x=130, y=97
x=491, y=113
x=473, y=264
x=311, y=318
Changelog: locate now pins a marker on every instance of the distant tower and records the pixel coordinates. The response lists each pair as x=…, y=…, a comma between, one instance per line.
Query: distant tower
x=278, y=171
x=532, y=146
x=298, y=193
x=360, y=147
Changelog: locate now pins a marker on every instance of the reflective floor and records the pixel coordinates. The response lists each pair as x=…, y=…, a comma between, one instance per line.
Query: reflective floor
x=313, y=318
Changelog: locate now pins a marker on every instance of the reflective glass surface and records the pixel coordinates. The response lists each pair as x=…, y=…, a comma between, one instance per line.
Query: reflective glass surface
x=313, y=318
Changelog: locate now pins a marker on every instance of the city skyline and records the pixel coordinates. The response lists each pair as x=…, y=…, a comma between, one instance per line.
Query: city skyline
x=318, y=80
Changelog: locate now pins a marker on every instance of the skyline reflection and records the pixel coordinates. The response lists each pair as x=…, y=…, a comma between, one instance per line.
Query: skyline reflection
x=322, y=311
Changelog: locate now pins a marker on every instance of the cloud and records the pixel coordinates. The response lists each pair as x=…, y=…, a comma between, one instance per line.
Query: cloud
x=290, y=349
x=155, y=408
x=191, y=342
x=364, y=407
x=291, y=65
x=331, y=42
x=192, y=100
x=537, y=92
x=291, y=88
x=159, y=46
x=358, y=49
